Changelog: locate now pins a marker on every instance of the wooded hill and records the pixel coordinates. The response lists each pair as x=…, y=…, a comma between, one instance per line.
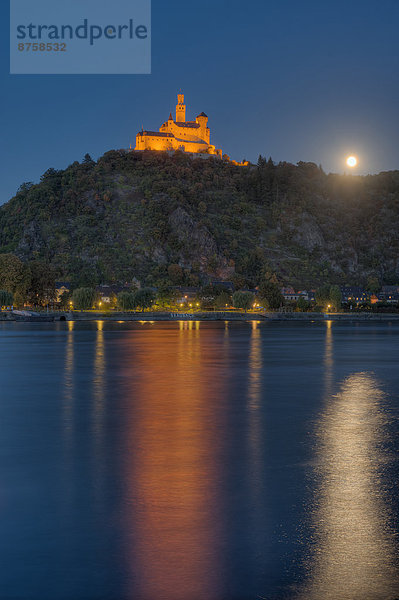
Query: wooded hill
x=159, y=218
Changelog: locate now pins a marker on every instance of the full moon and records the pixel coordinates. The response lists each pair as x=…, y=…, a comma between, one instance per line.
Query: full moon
x=351, y=161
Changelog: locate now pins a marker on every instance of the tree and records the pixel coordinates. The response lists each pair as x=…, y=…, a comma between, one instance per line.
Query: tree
x=253, y=263
x=166, y=296
x=329, y=294
x=261, y=161
x=19, y=298
x=202, y=208
x=373, y=285
x=144, y=298
x=87, y=160
x=25, y=187
x=302, y=304
x=271, y=295
x=222, y=299
x=51, y=172
x=83, y=298
x=41, y=288
x=14, y=275
x=335, y=297
x=243, y=300
x=65, y=300
x=126, y=300
x=323, y=295
x=175, y=273
x=6, y=298
x=238, y=280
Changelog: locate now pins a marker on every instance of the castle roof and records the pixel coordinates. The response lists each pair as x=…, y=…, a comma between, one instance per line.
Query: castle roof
x=60, y=284
x=202, y=115
x=170, y=117
x=156, y=133
x=191, y=124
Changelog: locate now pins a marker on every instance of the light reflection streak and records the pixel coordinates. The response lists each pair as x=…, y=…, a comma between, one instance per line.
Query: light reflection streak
x=99, y=383
x=254, y=386
x=67, y=416
x=328, y=358
x=255, y=432
x=172, y=472
x=68, y=406
x=98, y=416
x=354, y=548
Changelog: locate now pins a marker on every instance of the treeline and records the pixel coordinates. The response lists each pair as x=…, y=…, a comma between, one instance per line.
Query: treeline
x=31, y=282
x=34, y=284
x=207, y=298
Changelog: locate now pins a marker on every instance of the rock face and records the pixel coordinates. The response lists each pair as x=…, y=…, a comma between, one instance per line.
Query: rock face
x=196, y=241
x=132, y=215
x=31, y=241
x=308, y=234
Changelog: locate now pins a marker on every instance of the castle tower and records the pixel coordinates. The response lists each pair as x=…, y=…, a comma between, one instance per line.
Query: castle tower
x=204, y=132
x=180, y=109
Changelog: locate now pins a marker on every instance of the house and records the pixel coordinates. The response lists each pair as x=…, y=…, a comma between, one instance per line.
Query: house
x=392, y=298
x=310, y=295
x=107, y=293
x=354, y=294
x=185, y=295
x=390, y=289
x=390, y=294
x=61, y=287
x=228, y=286
x=289, y=294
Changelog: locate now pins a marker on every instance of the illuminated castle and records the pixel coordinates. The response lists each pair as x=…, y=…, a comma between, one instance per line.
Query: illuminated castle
x=179, y=134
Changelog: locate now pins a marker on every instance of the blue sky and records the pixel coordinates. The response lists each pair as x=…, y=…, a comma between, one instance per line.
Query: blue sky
x=294, y=79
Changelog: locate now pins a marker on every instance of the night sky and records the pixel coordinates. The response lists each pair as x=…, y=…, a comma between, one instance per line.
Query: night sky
x=296, y=80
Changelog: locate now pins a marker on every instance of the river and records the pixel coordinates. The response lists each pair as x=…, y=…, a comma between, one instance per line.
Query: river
x=199, y=461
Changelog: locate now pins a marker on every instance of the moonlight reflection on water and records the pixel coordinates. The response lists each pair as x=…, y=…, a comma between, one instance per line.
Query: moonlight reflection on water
x=354, y=552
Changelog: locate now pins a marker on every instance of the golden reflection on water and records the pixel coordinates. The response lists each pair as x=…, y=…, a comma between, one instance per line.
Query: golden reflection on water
x=68, y=407
x=254, y=388
x=172, y=470
x=354, y=549
x=255, y=431
x=68, y=399
x=97, y=420
x=328, y=358
x=98, y=383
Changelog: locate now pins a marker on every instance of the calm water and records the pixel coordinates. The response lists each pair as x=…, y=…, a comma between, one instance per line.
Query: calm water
x=199, y=461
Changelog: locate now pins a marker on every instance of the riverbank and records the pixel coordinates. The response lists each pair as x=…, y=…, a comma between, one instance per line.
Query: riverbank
x=199, y=316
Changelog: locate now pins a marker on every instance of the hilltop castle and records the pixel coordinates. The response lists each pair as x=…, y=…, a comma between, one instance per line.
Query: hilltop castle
x=179, y=134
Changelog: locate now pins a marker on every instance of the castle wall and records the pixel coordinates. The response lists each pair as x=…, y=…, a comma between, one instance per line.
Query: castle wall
x=149, y=142
x=152, y=142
